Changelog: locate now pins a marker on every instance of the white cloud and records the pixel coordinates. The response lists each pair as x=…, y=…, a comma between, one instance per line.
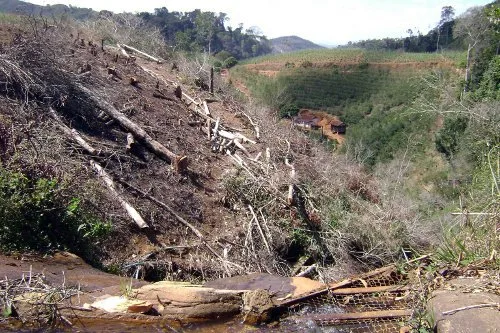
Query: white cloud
x=321, y=21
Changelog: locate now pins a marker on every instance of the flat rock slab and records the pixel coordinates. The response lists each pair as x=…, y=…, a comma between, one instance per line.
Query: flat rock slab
x=278, y=286
x=63, y=267
x=486, y=319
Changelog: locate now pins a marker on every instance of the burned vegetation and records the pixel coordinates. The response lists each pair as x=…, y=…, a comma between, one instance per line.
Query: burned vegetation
x=127, y=161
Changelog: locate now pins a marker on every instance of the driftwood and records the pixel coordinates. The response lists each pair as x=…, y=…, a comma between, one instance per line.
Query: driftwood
x=72, y=133
x=130, y=48
x=179, y=162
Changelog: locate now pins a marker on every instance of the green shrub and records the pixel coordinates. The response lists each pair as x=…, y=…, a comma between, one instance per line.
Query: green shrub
x=489, y=86
x=289, y=110
x=447, y=139
x=223, y=55
x=217, y=64
x=36, y=215
x=230, y=62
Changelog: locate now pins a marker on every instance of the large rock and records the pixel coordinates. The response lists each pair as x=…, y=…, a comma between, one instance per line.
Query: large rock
x=182, y=301
x=462, y=293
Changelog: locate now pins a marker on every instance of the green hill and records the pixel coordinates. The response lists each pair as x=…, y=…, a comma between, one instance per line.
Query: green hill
x=26, y=8
x=288, y=44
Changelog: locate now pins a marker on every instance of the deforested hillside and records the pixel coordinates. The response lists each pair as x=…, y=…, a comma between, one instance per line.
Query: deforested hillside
x=154, y=164
x=127, y=160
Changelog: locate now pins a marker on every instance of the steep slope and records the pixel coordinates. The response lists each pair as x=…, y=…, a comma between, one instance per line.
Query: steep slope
x=292, y=43
x=233, y=208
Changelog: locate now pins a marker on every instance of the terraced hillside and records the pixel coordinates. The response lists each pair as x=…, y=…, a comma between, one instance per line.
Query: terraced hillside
x=373, y=92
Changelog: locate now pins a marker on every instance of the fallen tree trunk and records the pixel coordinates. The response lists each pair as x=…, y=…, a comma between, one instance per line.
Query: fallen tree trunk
x=179, y=162
x=111, y=186
x=72, y=133
x=130, y=48
x=124, y=53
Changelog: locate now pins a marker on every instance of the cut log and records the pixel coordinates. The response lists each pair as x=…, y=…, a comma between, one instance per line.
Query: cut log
x=179, y=162
x=205, y=107
x=307, y=271
x=189, y=99
x=130, y=48
x=111, y=186
x=72, y=133
x=124, y=53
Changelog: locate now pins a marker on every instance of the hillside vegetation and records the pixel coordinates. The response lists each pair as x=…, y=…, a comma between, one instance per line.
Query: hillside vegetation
x=371, y=91
x=412, y=119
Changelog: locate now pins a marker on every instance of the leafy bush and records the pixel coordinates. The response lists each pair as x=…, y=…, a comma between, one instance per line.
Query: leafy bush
x=223, y=55
x=489, y=87
x=230, y=62
x=289, y=110
x=217, y=64
x=35, y=215
x=447, y=139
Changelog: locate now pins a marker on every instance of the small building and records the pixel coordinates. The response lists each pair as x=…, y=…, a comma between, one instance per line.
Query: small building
x=306, y=123
x=306, y=120
x=338, y=126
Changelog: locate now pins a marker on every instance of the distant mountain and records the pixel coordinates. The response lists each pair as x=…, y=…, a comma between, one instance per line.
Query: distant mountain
x=21, y=7
x=292, y=43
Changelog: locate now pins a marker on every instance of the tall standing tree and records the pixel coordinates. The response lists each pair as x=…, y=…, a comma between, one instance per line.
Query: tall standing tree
x=447, y=15
x=472, y=26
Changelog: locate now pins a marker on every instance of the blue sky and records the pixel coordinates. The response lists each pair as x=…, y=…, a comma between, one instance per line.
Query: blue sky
x=327, y=22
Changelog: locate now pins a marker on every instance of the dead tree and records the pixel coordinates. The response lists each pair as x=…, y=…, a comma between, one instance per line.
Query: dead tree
x=179, y=162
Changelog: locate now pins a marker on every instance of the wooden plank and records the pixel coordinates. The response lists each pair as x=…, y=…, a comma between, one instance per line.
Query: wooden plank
x=336, y=317
x=367, y=290
x=337, y=285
